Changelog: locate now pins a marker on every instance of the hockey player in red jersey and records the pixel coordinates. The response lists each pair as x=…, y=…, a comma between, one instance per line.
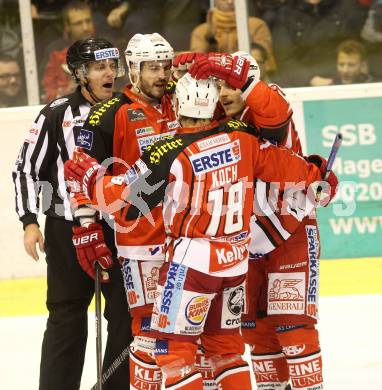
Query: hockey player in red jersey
x=204, y=177
x=282, y=283
x=122, y=128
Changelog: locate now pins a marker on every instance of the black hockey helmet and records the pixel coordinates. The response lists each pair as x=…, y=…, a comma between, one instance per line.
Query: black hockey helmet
x=88, y=50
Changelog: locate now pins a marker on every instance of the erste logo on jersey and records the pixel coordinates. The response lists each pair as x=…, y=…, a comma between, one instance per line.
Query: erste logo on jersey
x=216, y=158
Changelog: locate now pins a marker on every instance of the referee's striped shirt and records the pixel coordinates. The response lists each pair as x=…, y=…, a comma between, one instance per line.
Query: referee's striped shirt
x=40, y=163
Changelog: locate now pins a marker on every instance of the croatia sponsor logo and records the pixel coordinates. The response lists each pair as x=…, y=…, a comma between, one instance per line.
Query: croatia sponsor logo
x=313, y=284
x=216, y=158
x=236, y=301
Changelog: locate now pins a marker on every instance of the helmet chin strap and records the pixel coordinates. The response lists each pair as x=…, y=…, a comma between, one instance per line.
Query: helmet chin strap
x=91, y=93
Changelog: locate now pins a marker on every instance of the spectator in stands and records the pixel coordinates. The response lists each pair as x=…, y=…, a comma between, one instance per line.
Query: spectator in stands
x=352, y=66
x=78, y=24
x=306, y=34
x=219, y=32
x=12, y=88
x=372, y=35
x=10, y=32
x=172, y=19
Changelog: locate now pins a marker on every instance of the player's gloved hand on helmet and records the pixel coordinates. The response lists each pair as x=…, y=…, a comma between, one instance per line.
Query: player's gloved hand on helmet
x=90, y=247
x=233, y=70
x=330, y=184
x=182, y=62
x=187, y=58
x=81, y=173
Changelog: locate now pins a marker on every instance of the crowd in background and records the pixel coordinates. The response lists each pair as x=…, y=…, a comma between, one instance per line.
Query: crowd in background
x=296, y=42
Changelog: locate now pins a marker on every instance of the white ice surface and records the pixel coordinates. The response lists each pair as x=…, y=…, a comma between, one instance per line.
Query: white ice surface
x=351, y=342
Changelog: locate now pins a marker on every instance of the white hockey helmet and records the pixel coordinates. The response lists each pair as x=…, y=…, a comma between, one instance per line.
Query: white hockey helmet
x=196, y=98
x=254, y=69
x=147, y=47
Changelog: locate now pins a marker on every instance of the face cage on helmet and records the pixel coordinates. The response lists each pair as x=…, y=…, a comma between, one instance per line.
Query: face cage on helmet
x=83, y=69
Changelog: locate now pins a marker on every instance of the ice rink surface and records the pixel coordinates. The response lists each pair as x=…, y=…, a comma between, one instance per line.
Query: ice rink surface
x=351, y=342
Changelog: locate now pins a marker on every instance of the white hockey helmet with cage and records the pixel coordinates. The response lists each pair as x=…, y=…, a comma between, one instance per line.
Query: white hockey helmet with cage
x=196, y=98
x=147, y=47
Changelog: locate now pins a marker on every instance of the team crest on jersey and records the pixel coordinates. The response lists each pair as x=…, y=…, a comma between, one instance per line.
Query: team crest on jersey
x=136, y=115
x=85, y=139
x=216, y=158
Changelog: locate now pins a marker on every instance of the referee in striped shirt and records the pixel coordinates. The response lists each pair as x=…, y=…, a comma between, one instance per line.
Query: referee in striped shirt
x=57, y=130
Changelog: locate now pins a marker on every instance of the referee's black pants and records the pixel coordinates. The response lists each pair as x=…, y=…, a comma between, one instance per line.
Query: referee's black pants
x=70, y=291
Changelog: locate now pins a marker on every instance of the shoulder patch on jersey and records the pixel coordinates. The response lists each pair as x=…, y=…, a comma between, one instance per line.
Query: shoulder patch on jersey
x=136, y=115
x=216, y=158
x=58, y=102
x=85, y=139
x=100, y=109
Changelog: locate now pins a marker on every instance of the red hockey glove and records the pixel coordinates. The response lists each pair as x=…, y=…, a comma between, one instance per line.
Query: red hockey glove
x=187, y=58
x=81, y=174
x=330, y=184
x=233, y=70
x=90, y=247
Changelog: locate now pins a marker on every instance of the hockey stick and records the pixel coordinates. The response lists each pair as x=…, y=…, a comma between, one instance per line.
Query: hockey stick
x=332, y=156
x=98, y=324
x=113, y=366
